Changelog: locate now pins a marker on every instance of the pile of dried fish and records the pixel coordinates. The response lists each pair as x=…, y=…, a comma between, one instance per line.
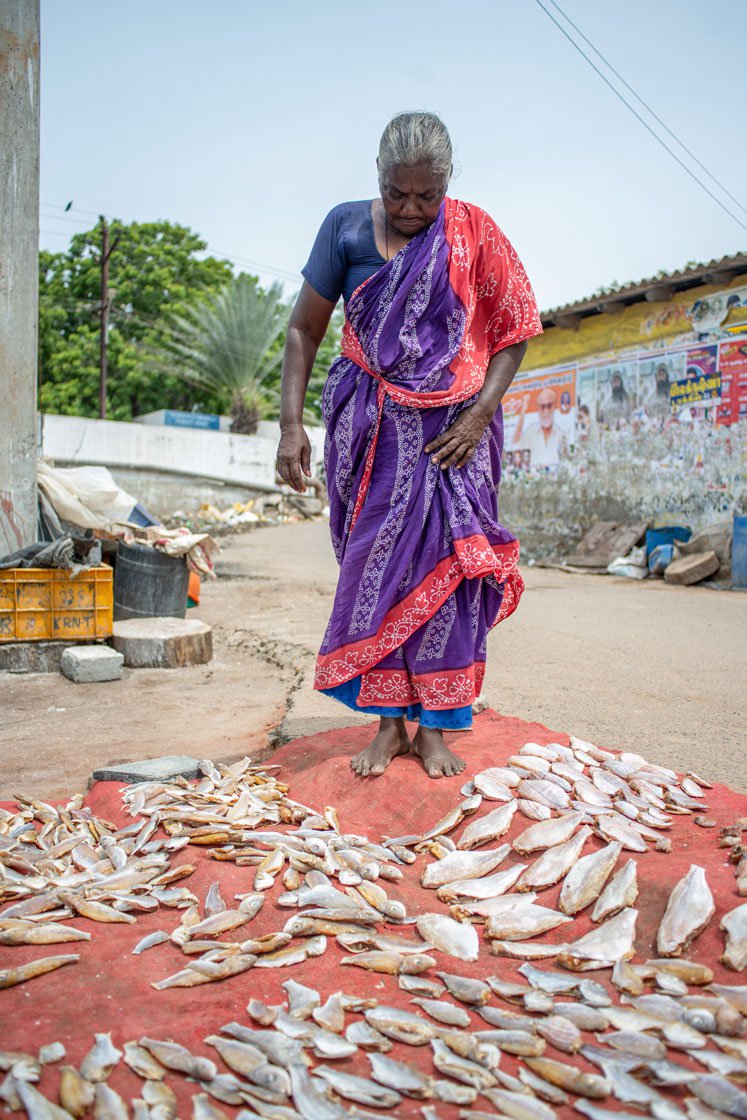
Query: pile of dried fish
x=668, y=1051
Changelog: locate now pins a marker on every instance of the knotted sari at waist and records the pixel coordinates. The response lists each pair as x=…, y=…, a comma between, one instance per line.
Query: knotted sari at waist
x=426, y=568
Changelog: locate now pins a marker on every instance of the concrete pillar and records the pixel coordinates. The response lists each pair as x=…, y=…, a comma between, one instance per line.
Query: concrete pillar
x=19, y=268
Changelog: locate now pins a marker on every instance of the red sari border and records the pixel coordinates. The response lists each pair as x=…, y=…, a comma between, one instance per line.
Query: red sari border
x=442, y=691
x=472, y=557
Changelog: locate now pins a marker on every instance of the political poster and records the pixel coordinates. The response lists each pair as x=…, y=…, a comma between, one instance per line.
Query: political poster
x=616, y=393
x=586, y=401
x=655, y=375
x=732, y=367
x=540, y=417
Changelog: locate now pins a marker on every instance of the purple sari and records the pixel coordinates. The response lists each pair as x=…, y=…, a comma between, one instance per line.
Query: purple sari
x=426, y=568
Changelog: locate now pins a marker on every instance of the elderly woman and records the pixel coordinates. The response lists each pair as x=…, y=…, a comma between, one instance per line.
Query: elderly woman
x=438, y=310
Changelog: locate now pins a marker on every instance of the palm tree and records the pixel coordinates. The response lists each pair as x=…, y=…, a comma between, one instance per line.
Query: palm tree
x=230, y=345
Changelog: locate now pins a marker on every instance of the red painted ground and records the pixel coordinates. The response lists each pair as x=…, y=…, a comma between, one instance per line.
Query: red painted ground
x=109, y=989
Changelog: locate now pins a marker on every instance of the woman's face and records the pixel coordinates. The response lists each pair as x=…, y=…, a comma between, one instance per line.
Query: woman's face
x=411, y=198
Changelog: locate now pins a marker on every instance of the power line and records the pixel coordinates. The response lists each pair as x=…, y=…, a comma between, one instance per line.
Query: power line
x=647, y=107
x=645, y=123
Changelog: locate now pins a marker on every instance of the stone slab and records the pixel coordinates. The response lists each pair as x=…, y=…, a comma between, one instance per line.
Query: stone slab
x=691, y=569
x=161, y=769
x=163, y=643
x=31, y=657
x=91, y=664
x=605, y=541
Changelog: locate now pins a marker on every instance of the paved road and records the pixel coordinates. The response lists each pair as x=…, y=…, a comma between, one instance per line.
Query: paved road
x=637, y=666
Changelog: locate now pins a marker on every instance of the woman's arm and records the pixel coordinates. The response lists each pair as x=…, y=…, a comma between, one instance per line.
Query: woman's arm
x=456, y=446
x=306, y=329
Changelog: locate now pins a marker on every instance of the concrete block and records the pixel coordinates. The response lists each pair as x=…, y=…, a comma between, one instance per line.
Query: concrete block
x=91, y=664
x=163, y=643
x=691, y=569
x=161, y=769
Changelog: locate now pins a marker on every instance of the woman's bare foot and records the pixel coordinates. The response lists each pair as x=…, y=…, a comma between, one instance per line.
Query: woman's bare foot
x=438, y=761
x=390, y=741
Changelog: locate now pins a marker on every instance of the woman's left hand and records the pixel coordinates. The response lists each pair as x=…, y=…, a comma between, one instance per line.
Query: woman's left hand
x=456, y=446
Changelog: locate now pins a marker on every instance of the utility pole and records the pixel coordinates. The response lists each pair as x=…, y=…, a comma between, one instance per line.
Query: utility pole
x=19, y=269
x=107, y=249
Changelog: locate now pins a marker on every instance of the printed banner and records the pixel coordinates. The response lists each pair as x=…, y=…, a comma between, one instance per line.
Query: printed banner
x=655, y=376
x=732, y=365
x=540, y=418
x=694, y=390
x=617, y=389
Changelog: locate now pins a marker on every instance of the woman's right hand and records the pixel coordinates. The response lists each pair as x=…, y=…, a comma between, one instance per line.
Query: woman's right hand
x=294, y=457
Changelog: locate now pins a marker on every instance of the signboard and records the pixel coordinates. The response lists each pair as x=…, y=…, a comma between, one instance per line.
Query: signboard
x=203, y=420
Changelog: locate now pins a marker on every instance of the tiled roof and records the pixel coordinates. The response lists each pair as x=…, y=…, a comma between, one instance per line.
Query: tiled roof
x=658, y=287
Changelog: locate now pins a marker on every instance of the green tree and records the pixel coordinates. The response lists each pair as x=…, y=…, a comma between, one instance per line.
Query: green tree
x=229, y=345
x=156, y=268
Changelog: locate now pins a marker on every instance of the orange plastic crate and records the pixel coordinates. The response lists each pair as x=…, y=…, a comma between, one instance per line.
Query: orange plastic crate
x=43, y=604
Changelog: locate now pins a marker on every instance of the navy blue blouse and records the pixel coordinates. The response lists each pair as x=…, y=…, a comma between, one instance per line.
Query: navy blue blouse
x=344, y=253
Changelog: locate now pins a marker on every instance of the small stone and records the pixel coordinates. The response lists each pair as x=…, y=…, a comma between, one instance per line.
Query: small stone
x=163, y=643
x=91, y=664
x=161, y=769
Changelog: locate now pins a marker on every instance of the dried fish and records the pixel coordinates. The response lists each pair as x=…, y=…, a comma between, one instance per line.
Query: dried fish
x=496, y=783
x=526, y=950
x=533, y=810
x=544, y=791
x=567, y=1077
x=620, y=892
x=487, y=827
x=466, y=989
x=101, y=1059
x=460, y=1068
x=366, y=1037
x=29, y=971
x=156, y=938
x=523, y=922
x=486, y=887
x=548, y=833
x=719, y=1093
x=560, y=1033
x=390, y=962
x=405, y=1079
x=519, y=1105
x=76, y=1094
x=463, y=865
x=734, y=925
x=457, y=939
x=173, y=1056
x=47, y=933
x=604, y=946
x=585, y=1018
x=689, y=910
x=586, y=878
x=358, y=1089
x=402, y=1026
x=626, y=979
x=554, y=863
x=444, y=1012
x=142, y=1062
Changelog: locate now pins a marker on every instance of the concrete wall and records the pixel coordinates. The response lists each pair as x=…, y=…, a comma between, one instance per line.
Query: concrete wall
x=19, y=268
x=244, y=461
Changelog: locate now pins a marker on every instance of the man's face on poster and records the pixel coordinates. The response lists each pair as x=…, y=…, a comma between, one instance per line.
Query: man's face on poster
x=546, y=407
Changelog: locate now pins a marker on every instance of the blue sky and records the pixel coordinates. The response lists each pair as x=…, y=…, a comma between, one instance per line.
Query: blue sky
x=247, y=121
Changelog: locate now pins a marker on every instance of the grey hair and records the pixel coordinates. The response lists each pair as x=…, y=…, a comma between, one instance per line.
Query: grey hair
x=415, y=139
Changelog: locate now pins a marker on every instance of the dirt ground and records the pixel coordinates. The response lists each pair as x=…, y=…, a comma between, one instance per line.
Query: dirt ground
x=637, y=666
